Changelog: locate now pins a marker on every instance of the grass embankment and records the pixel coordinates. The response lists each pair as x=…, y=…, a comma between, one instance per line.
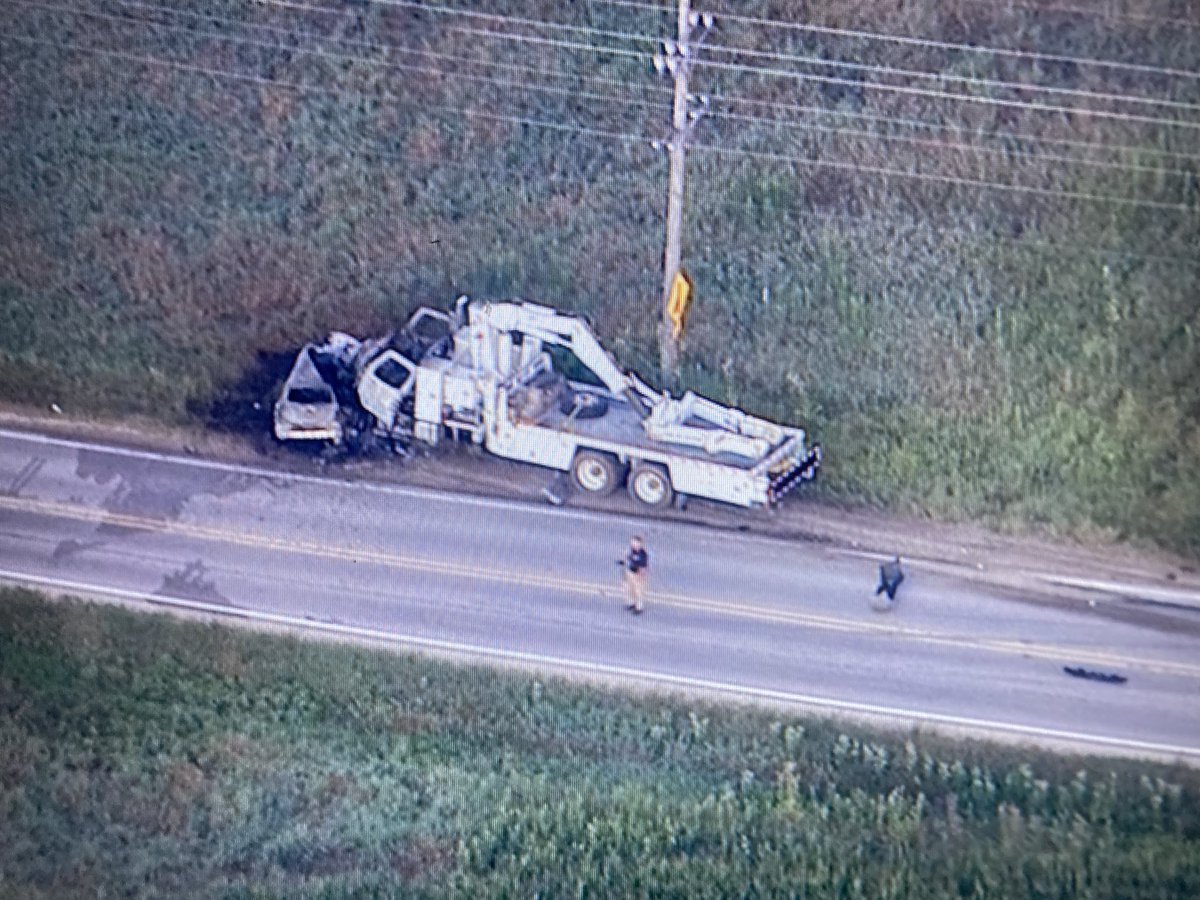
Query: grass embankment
x=144, y=756
x=188, y=195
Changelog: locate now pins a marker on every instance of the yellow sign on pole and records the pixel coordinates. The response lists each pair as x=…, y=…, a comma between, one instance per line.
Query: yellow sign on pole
x=679, y=301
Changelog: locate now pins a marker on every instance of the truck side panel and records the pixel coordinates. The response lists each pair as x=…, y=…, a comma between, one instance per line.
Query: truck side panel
x=556, y=449
x=532, y=444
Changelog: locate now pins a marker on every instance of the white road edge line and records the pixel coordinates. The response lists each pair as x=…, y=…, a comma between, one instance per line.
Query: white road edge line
x=731, y=534
x=1146, y=592
x=607, y=517
x=244, y=469
x=641, y=675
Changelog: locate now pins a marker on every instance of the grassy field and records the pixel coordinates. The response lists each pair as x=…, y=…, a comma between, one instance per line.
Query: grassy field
x=189, y=194
x=142, y=756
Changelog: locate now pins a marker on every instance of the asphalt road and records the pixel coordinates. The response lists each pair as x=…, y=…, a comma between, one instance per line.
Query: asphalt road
x=496, y=580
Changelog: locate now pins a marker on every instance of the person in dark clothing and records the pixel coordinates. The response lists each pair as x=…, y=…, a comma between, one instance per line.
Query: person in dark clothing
x=890, y=576
x=637, y=573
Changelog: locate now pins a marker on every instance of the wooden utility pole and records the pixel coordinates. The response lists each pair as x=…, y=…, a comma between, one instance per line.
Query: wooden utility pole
x=676, y=58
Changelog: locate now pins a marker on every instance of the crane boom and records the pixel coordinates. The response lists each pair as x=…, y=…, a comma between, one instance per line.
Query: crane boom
x=532, y=320
x=691, y=421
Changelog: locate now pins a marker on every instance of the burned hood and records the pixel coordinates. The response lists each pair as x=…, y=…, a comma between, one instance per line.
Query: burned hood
x=307, y=399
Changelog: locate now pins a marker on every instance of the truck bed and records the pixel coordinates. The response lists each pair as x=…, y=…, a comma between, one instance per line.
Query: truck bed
x=621, y=425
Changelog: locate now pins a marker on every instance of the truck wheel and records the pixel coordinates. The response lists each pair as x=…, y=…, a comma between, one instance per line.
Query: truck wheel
x=650, y=484
x=596, y=473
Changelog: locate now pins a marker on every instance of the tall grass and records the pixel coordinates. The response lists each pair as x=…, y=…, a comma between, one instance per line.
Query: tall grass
x=140, y=756
x=970, y=353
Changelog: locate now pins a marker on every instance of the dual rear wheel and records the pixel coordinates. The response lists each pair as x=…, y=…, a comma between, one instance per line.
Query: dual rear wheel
x=599, y=474
x=650, y=484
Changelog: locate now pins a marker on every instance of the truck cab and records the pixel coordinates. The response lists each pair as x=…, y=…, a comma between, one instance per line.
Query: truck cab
x=385, y=384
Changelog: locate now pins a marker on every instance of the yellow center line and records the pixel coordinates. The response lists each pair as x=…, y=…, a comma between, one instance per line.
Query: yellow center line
x=588, y=588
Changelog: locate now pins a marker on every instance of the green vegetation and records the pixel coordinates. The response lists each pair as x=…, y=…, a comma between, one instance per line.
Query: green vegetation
x=142, y=756
x=188, y=195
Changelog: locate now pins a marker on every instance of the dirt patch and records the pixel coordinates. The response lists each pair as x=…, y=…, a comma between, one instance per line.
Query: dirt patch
x=244, y=406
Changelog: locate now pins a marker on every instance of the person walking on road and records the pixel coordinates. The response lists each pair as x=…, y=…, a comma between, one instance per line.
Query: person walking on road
x=890, y=576
x=637, y=572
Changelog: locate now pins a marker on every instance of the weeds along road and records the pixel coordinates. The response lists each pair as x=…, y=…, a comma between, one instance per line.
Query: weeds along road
x=504, y=581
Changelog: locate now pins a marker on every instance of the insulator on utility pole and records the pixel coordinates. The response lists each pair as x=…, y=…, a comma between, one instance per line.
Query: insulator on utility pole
x=676, y=58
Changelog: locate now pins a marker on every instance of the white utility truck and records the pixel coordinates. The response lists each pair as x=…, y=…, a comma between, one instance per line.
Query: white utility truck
x=486, y=372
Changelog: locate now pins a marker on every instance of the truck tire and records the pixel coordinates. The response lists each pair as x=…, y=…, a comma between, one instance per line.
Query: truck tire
x=596, y=473
x=583, y=404
x=650, y=485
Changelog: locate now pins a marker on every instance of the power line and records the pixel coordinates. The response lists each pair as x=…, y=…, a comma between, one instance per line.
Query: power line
x=498, y=18
x=946, y=95
x=861, y=85
x=939, y=126
x=246, y=41
x=943, y=145
x=945, y=76
x=553, y=42
x=622, y=136
x=976, y=183
x=332, y=92
x=606, y=81
x=609, y=98
x=367, y=45
x=765, y=54
x=1088, y=95
x=1094, y=13
x=478, y=32
x=930, y=43
x=778, y=73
